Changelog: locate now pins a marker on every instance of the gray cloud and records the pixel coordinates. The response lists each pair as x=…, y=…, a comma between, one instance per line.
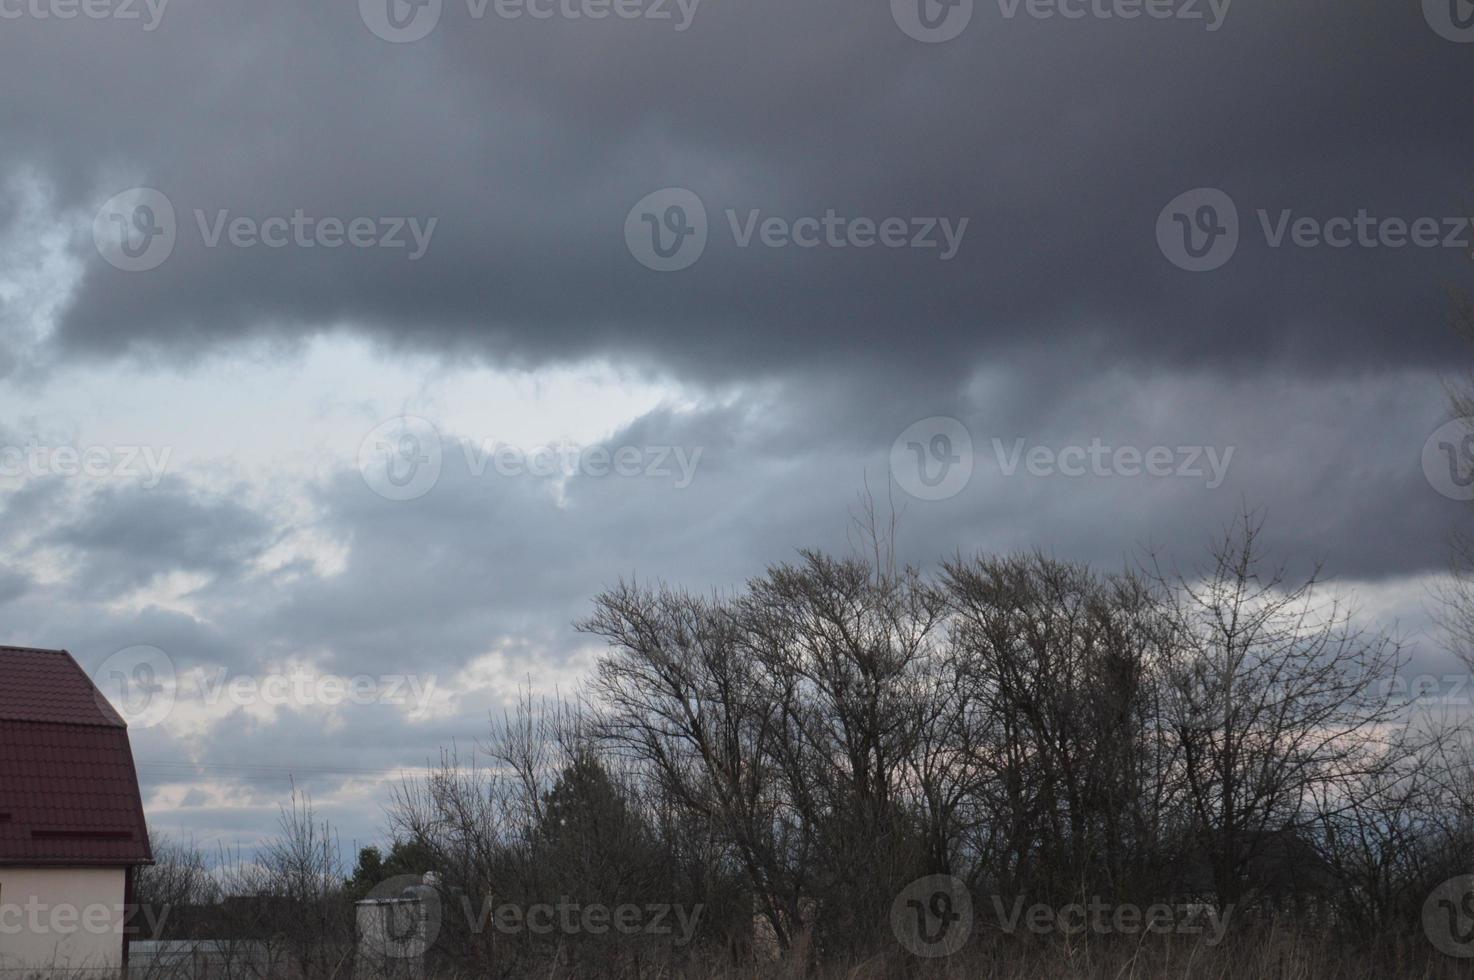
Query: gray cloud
x=493, y=565
x=1060, y=140
x=1058, y=322
x=127, y=538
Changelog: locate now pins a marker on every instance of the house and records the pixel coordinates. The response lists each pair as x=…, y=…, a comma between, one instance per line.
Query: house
x=1280, y=870
x=72, y=831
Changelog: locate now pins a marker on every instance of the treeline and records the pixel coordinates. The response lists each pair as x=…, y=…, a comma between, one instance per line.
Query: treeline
x=788, y=758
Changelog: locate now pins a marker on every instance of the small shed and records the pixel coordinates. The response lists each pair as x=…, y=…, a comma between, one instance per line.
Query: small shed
x=397, y=925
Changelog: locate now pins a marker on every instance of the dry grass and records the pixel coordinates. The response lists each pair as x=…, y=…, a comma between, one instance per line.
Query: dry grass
x=1279, y=960
x=1269, y=956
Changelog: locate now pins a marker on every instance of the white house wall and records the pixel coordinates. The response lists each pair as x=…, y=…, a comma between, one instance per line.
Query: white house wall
x=65, y=920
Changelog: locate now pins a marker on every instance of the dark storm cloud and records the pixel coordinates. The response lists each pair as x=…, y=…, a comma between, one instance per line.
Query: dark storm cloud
x=127, y=538
x=1058, y=322
x=529, y=141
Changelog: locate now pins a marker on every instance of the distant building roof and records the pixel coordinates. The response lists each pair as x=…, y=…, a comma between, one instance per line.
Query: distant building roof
x=68, y=786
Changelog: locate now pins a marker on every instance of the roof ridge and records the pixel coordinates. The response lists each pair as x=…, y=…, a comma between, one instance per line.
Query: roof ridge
x=62, y=662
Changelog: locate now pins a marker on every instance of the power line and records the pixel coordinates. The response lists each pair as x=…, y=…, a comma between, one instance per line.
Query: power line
x=181, y=768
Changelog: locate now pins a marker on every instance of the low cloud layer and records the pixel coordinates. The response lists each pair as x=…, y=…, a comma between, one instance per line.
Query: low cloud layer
x=339, y=231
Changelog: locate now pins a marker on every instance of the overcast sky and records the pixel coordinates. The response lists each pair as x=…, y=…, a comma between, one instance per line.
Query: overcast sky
x=370, y=340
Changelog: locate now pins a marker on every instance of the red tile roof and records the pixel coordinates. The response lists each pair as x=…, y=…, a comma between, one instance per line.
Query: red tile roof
x=68, y=787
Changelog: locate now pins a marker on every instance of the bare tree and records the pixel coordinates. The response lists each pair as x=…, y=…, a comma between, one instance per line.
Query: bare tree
x=1399, y=831
x=169, y=892
x=1058, y=667
x=1276, y=700
x=683, y=696
x=302, y=875
x=850, y=653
